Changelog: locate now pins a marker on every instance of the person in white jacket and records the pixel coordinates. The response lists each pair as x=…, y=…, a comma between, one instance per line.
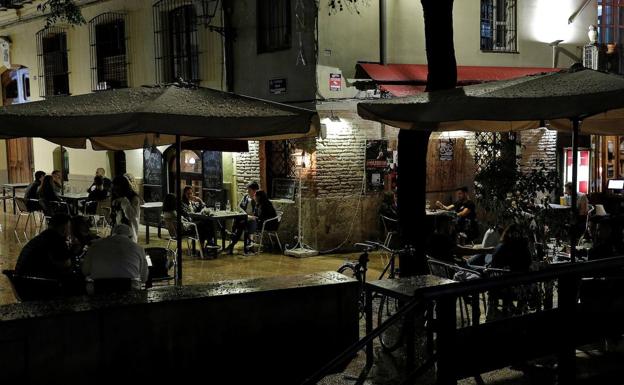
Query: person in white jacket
x=125, y=205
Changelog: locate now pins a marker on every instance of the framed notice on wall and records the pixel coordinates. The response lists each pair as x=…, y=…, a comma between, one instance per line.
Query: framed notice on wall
x=379, y=163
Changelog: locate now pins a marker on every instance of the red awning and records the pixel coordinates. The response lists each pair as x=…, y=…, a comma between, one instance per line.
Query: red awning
x=405, y=79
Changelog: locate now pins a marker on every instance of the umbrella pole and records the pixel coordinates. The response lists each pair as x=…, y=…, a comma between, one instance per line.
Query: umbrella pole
x=178, y=192
x=574, y=197
x=62, y=171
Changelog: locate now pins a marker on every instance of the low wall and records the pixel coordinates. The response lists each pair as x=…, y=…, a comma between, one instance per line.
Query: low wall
x=261, y=331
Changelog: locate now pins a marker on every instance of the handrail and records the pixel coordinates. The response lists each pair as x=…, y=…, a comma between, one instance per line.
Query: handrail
x=513, y=279
x=353, y=349
x=468, y=287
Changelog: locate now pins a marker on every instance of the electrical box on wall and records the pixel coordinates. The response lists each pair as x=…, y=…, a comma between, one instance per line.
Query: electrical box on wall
x=5, y=54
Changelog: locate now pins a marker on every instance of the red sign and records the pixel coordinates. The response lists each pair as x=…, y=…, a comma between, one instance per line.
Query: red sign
x=335, y=82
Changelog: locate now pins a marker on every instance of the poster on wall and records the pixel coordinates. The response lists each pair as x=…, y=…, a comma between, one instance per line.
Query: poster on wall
x=335, y=82
x=379, y=165
x=446, y=149
x=277, y=86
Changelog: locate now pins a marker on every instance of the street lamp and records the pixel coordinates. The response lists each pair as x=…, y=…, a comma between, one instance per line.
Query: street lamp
x=300, y=249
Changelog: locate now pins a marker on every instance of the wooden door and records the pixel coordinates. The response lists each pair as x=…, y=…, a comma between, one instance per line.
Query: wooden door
x=448, y=172
x=20, y=160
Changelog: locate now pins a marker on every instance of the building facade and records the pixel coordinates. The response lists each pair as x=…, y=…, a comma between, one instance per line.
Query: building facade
x=299, y=52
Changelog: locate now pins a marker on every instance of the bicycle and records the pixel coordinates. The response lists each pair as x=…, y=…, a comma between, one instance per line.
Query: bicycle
x=391, y=338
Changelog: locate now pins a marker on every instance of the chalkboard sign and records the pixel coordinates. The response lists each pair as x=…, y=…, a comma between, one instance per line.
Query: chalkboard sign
x=152, y=167
x=284, y=188
x=213, y=169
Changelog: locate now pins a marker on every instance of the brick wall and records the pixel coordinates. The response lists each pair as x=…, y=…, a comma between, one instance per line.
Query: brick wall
x=538, y=144
x=247, y=167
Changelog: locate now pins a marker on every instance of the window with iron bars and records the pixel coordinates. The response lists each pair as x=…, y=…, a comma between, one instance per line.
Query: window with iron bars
x=52, y=61
x=611, y=27
x=109, y=59
x=279, y=162
x=498, y=26
x=177, y=40
x=274, y=25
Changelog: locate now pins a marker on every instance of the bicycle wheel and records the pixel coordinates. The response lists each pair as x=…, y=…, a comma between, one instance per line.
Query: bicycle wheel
x=392, y=337
x=350, y=270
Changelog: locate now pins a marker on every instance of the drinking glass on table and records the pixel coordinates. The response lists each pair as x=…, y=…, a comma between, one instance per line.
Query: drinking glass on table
x=218, y=206
x=427, y=205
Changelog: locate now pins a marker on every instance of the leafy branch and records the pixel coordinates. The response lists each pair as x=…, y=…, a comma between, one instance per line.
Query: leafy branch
x=61, y=10
x=350, y=5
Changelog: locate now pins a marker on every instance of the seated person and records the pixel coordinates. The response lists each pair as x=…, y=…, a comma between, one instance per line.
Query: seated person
x=97, y=192
x=511, y=253
x=47, y=254
x=106, y=183
x=205, y=228
x=32, y=191
x=190, y=202
x=247, y=225
x=442, y=244
x=466, y=213
x=600, y=230
x=265, y=211
x=48, y=195
x=82, y=237
x=117, y=256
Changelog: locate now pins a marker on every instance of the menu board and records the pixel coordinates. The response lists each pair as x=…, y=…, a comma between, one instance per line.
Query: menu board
x=152, y=167
x=213, y=169
x=284, y=188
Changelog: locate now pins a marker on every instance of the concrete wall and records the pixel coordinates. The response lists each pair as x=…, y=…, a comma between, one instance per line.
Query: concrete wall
x=253, y=70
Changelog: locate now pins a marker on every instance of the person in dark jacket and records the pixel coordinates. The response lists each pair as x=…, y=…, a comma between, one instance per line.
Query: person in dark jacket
x=32, y=192
x=511, y=253
x=47, y=195
x=248, y=225
x=265, y=211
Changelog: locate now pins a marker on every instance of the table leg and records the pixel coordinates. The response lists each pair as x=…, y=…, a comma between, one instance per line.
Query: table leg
x=368, y=311
x=223, y=235
x=146, y=233
x=4, y=197
x=159, y=235
x=14, y=208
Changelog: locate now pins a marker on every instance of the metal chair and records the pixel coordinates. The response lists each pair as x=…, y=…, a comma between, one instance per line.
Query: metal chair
x=192, y=235
x=22, y=211
x=270, y=233
x=102, y=213
x=26, y=288
x=390, y=228
x=162, y=260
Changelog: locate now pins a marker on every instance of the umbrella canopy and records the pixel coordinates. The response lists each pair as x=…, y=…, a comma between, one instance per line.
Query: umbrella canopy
x=127, y=118
x=512, y=105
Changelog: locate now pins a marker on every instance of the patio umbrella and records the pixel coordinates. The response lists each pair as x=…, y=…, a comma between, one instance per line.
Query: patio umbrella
x=565, y=99
x=130, y=118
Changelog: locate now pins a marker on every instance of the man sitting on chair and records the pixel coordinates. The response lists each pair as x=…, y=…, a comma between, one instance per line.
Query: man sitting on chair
x=466, y=213
x=116, y=256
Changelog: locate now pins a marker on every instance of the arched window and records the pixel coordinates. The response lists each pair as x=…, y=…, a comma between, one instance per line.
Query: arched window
x=109, y=58
x=61, y=161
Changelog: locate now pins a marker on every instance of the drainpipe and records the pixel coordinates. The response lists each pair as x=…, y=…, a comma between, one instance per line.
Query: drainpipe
x=382, y=32
x=228, y=40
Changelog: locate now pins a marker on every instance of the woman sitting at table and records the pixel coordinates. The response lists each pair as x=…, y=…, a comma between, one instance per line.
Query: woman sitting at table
x=125, y=205
x=48, y=198
x=511, y=253
x=265, y=211
x=205, y=230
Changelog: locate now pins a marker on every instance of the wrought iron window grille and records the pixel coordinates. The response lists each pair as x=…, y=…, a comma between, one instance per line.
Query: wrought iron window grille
x=499, y=26
x=108, y=39
x=274, y=31
x=52, y=58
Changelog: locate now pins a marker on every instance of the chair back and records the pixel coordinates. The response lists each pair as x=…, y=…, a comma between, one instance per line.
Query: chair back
x=26, y=288
x=389, y=224
x=105, y=286
x=162, y=261
x=440, y=269
x=171, y=226
x=103, y=208
x=22, y=204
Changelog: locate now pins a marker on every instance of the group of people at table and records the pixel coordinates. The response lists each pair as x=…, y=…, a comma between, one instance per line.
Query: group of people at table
x=69, y=252
x=456, y=237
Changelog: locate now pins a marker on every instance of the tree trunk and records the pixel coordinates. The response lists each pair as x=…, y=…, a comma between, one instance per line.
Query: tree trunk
x=438, y=15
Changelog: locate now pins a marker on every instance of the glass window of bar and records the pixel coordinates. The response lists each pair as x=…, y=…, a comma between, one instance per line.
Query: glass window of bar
x=611, y=26
x=177, y=41
x=52, y=61
x=498, y=26
x=274, y=25
x=109, y=59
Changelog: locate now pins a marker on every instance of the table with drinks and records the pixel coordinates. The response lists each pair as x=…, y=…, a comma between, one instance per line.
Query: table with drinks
x=218, y=217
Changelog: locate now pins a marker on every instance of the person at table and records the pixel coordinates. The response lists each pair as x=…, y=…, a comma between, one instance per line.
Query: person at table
x=116, y=256
x=246, y=225
x=511, y=253
x=48, y=196
x=125, y=205
x=32, y=192
x=190, y=202
x=205, y=229
x=601, y=232
x=47, y=255
x=97, y=192
x=265, y=211
x=466, y=213
x=103, y=185
x=81, y=235
x=58, y=182
x=581, y=200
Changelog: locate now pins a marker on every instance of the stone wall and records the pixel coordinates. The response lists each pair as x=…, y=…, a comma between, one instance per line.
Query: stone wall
x=538, y=144
x=247, y=167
